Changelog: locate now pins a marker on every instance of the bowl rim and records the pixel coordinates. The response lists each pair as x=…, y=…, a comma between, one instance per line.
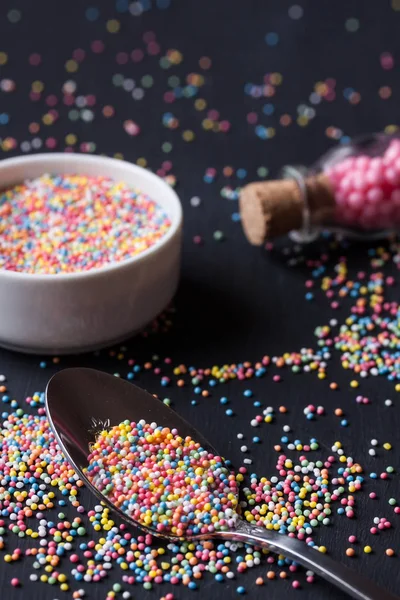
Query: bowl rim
x=176, y=220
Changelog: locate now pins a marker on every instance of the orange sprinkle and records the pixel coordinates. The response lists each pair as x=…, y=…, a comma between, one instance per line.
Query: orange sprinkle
x=271, y=574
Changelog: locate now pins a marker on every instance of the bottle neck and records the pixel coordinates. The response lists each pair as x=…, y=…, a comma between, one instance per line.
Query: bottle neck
x=307, y=233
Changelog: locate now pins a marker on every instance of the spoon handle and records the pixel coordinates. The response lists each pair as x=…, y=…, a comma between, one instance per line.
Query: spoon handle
x=351, y=582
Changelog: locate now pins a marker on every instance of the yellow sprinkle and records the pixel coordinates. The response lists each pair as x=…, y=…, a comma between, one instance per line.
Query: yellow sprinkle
x=113, y=26
x=71, y=66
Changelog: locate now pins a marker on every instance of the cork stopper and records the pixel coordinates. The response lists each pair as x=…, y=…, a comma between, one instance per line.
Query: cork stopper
x=270, y=209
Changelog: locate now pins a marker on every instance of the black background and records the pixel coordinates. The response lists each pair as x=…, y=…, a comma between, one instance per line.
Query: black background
x=235, y=303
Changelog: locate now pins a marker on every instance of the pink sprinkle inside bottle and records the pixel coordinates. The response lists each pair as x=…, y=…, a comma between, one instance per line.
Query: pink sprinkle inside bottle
x=366, y=182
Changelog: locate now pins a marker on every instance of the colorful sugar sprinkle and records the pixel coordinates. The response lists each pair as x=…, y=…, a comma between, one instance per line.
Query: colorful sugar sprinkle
x=71, y=223
x=53, y=97
x=162, y=480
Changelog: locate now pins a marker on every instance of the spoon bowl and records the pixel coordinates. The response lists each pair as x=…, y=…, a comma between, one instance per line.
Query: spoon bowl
x=80, y=403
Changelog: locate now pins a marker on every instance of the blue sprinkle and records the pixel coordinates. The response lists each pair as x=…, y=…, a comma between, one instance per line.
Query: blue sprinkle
x=92, y=14
x=272, y=38
x=122, y=5
x=241, y=590
x=247, y=393
x=229, y=412
x=268, y=109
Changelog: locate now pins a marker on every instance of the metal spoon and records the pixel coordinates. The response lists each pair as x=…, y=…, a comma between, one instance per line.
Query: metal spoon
x=82, y=402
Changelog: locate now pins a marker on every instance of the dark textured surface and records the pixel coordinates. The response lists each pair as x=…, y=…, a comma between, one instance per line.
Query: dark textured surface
x=235, y=302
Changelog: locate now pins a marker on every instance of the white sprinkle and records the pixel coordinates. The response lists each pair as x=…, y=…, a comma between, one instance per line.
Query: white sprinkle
x=254, y=423
x=374, y=442
x=388, y=402
x=371, y=452
x=248, y=461
x=286, y=428
x=2, y=378
x=195, y=201
x=33, y=577
x=240, y=436
x=243, y=448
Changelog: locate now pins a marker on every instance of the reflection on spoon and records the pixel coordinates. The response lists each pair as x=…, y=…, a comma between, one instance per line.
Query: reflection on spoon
x=76, y=397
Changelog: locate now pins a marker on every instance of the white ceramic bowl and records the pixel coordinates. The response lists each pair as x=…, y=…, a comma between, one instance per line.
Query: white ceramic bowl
x=77, y=312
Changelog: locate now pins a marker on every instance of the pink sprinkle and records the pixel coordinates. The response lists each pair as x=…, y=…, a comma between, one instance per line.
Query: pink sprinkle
x=375, y=195
x=296, y=584
x=15, y=582
x=387, y=61
x=352, y=539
